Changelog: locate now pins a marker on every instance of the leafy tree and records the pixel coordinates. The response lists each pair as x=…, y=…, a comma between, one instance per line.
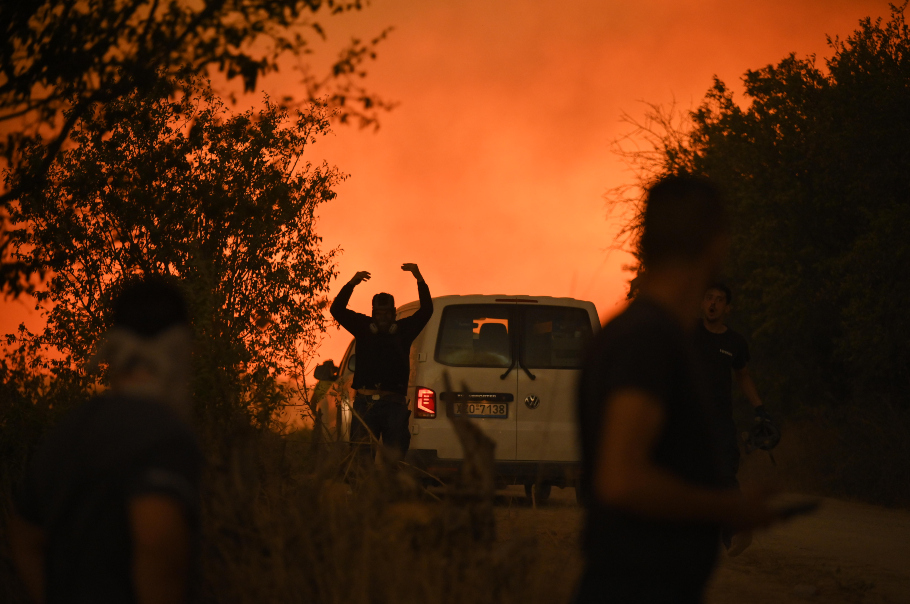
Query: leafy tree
x=180, y=186
x=59, y=59
x=816, y=167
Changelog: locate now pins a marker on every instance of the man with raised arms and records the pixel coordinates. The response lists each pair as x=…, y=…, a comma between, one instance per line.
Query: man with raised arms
x=382, y=364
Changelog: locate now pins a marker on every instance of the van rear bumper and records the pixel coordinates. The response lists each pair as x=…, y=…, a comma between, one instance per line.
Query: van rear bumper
x=556, y=473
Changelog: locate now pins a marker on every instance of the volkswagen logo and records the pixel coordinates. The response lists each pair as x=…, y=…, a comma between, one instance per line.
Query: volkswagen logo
x=532, y=401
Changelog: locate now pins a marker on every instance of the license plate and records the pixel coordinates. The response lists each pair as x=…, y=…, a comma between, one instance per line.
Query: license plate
x=482, y=409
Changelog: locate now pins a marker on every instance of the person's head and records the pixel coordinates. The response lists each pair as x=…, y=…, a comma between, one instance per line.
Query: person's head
x=149, y=305
x=716, y=303
x=383, y=310
x=684, y=223
x=326, y=371
x=149, y=346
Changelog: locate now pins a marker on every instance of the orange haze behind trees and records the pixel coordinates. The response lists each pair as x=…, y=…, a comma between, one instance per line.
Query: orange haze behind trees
x=491, y=172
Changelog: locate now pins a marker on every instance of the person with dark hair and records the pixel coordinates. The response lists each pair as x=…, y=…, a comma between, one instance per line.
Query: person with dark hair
x=724, y=354
x=109, y=511
x=654, y=497
x=382, y=365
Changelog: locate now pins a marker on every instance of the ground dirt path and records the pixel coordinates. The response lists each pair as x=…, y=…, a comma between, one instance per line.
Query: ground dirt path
x=844, y=553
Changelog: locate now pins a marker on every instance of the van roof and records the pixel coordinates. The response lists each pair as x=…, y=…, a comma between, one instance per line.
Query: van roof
x=442, y=301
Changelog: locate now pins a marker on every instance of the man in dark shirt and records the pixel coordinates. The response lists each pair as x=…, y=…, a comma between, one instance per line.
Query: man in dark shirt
x=723, y=354
x=654, y=495
x=108, y=511
x=382, y=366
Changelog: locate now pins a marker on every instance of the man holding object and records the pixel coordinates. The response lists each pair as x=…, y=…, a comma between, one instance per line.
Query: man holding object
x=724, y=355
x=382, y=365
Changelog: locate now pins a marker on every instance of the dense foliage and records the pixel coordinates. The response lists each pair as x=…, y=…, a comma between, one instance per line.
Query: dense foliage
x=816, y=165
x=179, y=186
x=61, y=58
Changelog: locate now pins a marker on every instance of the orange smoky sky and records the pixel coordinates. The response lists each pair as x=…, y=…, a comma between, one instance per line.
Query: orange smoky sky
x=491, y=172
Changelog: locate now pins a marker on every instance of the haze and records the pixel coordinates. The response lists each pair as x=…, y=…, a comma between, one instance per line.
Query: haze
x=491, y=172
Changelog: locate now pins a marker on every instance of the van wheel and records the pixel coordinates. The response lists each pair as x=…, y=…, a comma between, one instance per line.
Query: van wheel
x=541, y=491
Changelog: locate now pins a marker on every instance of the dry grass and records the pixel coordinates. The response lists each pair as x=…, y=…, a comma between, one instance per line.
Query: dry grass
x=285, y=521
x=283, y=524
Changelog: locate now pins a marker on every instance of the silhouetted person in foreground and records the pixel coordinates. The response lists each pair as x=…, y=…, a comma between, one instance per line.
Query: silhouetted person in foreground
x=382, y=364
x=109, y=507
x=724, y=355
x=655, y=499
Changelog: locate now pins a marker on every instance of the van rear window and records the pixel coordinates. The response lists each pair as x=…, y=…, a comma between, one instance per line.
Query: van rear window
x=481, y=335
x=475, y=335
x=554, y=337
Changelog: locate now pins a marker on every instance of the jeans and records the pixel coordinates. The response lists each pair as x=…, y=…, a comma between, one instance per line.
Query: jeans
x=728, y=447
x=387, y=418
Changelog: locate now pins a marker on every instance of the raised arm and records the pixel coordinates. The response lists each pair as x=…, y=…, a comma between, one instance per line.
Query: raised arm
x=423, y=314
x=346, y=317
x=410, y=267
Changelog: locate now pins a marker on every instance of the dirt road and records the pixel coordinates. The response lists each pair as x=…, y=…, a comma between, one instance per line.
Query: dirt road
x=845, y=553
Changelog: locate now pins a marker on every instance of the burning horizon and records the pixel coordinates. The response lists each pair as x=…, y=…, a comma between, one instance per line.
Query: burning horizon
x=491, y=172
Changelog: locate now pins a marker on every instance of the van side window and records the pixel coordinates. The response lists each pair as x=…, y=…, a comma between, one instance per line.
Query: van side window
x=475, y=335
x=554, y=337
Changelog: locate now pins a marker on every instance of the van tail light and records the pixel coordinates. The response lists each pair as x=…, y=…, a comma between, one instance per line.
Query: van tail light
x=426, y=403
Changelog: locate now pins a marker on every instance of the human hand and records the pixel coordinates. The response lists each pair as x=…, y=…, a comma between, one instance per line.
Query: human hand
x=762, y=413
x=412, y=268
x=359, y=277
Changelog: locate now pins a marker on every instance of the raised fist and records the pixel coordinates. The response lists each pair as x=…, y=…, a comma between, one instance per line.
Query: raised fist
x=412, y=268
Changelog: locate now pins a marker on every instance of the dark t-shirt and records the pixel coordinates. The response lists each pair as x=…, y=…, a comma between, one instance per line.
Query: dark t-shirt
x=720, y=354
x=383, y=359
x=79, y=484
x=644, y=348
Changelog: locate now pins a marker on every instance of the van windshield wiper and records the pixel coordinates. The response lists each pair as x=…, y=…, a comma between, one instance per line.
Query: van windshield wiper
x=528, y=371
x=519, y=348
x=509, y=370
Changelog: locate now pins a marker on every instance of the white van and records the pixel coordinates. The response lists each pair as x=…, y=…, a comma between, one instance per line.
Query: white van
x=519, y=359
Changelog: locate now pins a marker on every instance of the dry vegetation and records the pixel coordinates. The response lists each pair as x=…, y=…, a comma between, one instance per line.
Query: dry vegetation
x=285, y=519
x=289, y=520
